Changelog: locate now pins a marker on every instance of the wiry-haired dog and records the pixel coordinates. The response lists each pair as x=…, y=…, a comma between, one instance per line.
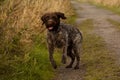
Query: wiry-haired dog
x=63, y=36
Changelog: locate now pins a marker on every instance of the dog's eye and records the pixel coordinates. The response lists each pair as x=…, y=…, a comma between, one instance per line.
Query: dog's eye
x=47, y=17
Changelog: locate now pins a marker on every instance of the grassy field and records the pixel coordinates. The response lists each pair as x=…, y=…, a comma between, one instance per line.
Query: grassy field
x=106, y=2
x=23, y=51
x=97, y=60
x=113, y=5
x=115, y=23
x=114, y=9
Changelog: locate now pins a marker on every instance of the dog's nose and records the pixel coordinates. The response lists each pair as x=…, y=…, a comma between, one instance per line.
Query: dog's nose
x=50, y=21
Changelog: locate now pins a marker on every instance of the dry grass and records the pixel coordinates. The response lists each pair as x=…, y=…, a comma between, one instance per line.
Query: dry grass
x=108, y=2
x=22, y=17
x=115, y=3
x=21, y=32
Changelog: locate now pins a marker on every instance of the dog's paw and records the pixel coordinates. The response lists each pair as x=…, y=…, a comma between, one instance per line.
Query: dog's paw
x=69, y=66
x=55, y=66
x=64, y=60
x=76, y=67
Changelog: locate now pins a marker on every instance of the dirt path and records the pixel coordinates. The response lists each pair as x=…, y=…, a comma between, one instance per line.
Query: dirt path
x=103, y=28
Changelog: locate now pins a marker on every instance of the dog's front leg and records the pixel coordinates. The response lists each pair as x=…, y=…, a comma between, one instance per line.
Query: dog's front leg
x=51, y=51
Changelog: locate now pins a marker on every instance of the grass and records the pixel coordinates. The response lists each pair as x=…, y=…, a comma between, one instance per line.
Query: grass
x=115, y=23
x=112, y=5
x=111, y=8
x=23, y=52
x=97, y=60
x=71, y=19
x=35, y=65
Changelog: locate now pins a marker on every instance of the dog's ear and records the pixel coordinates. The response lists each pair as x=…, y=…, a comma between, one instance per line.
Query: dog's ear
x=60, y=15
x=43, y=19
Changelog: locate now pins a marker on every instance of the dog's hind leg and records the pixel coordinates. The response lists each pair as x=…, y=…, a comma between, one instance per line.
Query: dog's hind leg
x=72, y=56
x=77, y=50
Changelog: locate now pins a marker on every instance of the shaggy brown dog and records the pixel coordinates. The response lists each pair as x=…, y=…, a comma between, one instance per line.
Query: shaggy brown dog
x=62, y=36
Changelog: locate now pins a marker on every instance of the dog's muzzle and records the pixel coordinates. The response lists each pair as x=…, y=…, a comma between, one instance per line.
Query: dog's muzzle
x=50, y=24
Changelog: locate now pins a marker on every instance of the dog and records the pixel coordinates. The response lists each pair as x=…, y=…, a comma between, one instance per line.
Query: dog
x=63, y=36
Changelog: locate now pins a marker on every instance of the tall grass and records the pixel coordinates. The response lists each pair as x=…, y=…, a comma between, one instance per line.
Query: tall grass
x=115, y=3
x=108, y=2
x=112, y=5
x=23, y=17
x=23, y=54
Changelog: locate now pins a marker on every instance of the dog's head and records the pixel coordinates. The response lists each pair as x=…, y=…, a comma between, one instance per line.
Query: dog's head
x=52, y=20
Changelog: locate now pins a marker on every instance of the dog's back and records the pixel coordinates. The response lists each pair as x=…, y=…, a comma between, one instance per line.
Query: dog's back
x=66, y=33
x=72, y=31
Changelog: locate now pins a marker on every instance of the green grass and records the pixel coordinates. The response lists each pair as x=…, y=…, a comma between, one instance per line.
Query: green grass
x=71, y=19
x=99, y=5
x=34, y=65
x=99, y=64
x=115, y=23
x=114, y=9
